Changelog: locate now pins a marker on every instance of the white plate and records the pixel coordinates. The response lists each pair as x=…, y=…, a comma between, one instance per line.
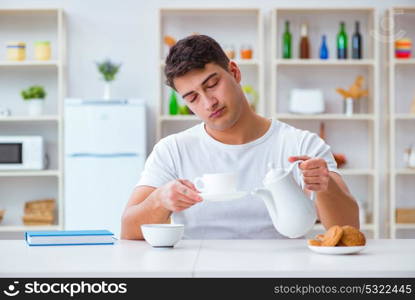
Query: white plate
x=223, y=196
x=336, y=250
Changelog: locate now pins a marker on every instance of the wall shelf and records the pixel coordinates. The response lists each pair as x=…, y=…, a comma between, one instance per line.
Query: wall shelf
x=19, y=228
x=288, y=116
x=240, y=62
x=179, y=118
x=30, y=63
x=43, y=118
x=405, y=226
x=403, y=61
x=404, y=171
x=54, y=173
x=403, y=116
x=357, y=172
x=320, y=62
x=365, y=227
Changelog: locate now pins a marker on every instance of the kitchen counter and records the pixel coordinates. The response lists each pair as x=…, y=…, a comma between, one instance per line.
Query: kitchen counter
x=207, y=258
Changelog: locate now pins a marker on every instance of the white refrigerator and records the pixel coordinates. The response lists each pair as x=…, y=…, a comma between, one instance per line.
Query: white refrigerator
x=105, y=145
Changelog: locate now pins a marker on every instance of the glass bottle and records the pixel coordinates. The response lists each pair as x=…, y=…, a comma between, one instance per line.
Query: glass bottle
x=342, y=42
x=324, y=51
x=357, y=42
x=304, y=43
x=229, y=51
x=286, y=41
x=173, y=104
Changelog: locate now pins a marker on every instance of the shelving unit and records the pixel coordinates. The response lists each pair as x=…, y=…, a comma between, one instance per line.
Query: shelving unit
x=225, y=25
x=401, y=122
x=19, y=186
x=361, y=172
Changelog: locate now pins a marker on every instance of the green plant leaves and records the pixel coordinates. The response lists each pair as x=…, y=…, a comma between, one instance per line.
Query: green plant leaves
x=108, y=69
x=33, y=92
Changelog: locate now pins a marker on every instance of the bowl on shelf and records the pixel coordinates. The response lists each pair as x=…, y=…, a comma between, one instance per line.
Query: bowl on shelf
x=162, y=235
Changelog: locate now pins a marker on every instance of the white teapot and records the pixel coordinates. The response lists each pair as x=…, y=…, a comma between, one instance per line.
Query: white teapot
x=292, y=212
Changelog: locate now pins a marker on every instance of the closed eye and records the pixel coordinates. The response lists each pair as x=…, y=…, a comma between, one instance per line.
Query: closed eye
x=213, y=85
x=193, y=99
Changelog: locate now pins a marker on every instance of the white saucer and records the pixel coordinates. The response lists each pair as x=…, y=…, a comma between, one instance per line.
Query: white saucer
x=223, y=196
x=336, y=250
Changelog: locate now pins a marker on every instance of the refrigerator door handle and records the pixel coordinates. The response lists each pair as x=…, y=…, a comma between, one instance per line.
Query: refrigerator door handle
x=103, y=155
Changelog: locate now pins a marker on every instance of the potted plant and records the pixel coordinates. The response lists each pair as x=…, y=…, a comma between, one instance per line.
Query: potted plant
x=352, y=96
x=108, y=70
x=34, y=97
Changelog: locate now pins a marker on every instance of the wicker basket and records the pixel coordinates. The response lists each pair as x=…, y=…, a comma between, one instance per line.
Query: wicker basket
x=405, y=215
x=43, y=205
x=39, y=212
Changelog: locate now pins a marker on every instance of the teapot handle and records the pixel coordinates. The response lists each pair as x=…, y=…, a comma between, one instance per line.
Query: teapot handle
x=297, y=163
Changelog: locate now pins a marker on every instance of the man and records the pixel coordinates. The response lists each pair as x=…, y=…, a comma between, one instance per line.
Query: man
x=231, y=138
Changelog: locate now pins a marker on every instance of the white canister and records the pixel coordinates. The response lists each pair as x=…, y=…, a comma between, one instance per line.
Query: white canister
x=362, y=213
x=411, y=160
x=42, y=50
x=16, y=51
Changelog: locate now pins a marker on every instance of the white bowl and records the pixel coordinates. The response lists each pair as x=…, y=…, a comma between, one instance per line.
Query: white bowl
x=162, y=235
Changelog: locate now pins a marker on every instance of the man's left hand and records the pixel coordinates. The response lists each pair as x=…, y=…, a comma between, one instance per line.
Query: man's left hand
x=315, y=172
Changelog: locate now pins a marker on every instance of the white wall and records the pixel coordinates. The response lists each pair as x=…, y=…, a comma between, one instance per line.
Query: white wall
x=126, y=31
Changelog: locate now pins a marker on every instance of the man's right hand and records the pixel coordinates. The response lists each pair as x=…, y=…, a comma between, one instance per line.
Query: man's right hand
x=178, y=195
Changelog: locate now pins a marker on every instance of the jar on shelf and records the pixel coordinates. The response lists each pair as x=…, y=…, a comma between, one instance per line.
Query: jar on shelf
x=42, y=50
x=246, y=52
x=16, y=51
x=403, y=48
x=229, y=51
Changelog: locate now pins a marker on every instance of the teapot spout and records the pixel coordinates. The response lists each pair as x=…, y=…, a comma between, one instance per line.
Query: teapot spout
x=266, y=195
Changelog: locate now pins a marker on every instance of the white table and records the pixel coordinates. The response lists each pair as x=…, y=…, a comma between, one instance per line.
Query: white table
x=208, y=258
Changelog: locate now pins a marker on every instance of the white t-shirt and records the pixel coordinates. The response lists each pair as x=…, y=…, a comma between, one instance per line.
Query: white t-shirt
x=193, y=152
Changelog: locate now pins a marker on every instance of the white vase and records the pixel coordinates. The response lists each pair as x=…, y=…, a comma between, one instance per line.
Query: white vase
x=107, y=90
x=35, y=107
x=350, y=106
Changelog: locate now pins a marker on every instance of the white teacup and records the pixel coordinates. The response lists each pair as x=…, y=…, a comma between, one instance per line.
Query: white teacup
x=217, y=183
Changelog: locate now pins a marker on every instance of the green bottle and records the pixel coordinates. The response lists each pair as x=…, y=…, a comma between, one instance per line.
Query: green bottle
x=173, y=104
x=342, y=42
x=286, y=41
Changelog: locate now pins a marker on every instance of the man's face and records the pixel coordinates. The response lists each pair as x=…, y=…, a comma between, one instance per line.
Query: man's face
x=213, y=94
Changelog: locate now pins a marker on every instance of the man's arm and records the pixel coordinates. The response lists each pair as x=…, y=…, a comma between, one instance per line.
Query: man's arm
x=334, y=203
x=143, y=207
x=336, y=206
x=149, y=205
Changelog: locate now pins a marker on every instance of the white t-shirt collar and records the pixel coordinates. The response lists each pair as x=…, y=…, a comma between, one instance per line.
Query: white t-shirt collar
x=257, y=141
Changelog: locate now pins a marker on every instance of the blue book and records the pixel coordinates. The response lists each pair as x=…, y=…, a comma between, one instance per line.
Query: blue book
x=69, y=237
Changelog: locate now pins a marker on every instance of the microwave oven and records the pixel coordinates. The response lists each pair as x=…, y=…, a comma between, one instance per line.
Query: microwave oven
x=22, y=153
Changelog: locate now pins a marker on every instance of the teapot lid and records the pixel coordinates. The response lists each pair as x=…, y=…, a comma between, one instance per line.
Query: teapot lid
x=273, y=173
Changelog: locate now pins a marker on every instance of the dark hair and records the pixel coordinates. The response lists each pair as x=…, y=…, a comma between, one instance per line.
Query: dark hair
x=193, y=52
